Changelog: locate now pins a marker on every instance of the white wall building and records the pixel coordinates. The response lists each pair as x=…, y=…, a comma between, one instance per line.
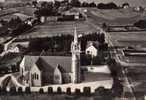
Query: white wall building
x=92, y=48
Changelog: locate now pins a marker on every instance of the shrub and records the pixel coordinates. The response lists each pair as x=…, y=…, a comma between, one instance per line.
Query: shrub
x=87, y=91
x=3, y=91
x=50, y=90
x=100, y=90
x=103, y=94
x=59, y=90
x=20, y=91
x=68, y=90
x=13, y=90
x=41, y=91
x=77, y=91
x=27, y=90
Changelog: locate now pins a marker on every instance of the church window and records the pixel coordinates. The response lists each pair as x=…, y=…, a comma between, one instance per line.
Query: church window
x=57, y=77
x=37, y=76
x=32, y=76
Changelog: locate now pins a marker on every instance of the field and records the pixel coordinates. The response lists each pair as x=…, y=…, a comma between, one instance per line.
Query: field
x=120, y=2
x=57, y=28
x=115, y=16
x=136, y=39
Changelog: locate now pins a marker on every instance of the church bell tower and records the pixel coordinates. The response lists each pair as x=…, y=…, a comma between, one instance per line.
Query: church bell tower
x=75, y=49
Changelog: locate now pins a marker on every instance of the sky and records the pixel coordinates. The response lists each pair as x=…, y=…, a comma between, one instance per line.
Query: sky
x=118, y=2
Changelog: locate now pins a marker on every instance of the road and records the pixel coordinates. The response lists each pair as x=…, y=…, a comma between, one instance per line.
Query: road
x=128, y=87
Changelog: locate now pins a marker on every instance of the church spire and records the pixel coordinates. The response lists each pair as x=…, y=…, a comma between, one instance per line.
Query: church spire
x=75, y=36
x=75, y=49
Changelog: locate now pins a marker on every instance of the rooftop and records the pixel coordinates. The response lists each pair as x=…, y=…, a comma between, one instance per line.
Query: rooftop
x=50, y=61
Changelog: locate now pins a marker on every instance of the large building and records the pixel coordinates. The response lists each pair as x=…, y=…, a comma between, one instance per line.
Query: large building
x=44, y=70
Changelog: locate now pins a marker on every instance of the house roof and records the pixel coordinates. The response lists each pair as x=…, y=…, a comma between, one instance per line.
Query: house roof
x=49, y=63
x=43, y=65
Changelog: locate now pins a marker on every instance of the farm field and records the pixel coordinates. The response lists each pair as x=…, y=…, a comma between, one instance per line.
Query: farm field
x=135, y=59
x=115, y=16
x=57, y=28
x=135, y=39
x=120, y=2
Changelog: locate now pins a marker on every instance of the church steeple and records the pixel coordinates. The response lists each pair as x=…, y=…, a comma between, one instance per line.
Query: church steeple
x=75, y=49
x=75, y=36
x=75, y=46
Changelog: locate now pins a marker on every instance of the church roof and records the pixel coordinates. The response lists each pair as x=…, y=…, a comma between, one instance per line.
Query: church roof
x=49, y=63
x=43, y=65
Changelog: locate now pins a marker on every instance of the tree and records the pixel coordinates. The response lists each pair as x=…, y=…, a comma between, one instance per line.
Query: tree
x=68, y=90
x=41, y=91
x=57, y=4
x=27, y=90
x=50, y=90
x=110, y=5
x=92, y=4
x=13, y=90
x=104, y=26
x=3, y=91
x=87, y=91
x=59, y=90
x=34, y=3
x=85, y=4
x=141, y=24
x=125, y=4
x=1, y=48
x=75, y=3
x=20, y=91
x=77, y=92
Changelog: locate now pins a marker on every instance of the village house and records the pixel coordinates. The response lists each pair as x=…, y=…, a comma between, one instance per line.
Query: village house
x=92, y=48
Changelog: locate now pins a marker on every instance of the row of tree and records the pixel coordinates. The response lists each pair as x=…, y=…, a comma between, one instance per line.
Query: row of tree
x=141, y=24
x=14, y=26
x=110, y=5
x=51, y=9
x=63, y=42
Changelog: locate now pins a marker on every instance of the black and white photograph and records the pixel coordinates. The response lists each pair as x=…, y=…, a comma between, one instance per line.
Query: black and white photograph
x=72, y=49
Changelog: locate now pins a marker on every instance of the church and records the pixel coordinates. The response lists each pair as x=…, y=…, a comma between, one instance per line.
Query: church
x=45, y=70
